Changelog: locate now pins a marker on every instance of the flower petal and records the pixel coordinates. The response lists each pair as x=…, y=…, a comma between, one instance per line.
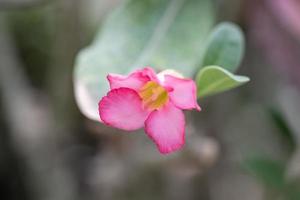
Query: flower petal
x=184, y=94
x=166, y=128
x=122, y=108
x=134, y=80
x=148, y=71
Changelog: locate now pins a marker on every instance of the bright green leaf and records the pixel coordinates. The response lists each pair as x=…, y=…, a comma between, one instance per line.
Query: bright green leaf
x=225, y=47
x=162, y=34
x=213, y=79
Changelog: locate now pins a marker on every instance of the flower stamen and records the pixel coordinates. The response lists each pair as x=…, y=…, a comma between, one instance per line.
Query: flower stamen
x=153, y=95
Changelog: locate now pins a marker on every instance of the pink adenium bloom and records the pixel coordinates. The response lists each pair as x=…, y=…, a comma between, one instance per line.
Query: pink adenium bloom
x=155, y=102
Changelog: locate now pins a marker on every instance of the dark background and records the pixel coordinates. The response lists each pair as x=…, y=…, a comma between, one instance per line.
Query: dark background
x=244, y=143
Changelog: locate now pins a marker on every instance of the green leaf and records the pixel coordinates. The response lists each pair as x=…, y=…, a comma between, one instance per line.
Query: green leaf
x=270, y=172
x=214, y=79
x=225, y=47
x=162, y=34
x=285, y=131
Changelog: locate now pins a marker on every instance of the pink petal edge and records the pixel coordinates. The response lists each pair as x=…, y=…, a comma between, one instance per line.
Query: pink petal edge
x=166, y=128
x=134, y=80
x=184, y=94
x=122, y=108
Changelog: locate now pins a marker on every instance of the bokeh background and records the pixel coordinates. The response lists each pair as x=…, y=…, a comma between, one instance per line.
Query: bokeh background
x=243, y=145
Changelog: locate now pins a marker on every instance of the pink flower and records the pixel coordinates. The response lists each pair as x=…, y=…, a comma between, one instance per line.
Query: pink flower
x=143, y=99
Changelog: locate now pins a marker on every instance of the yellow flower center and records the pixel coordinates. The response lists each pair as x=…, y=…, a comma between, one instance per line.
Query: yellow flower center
x=153, y=95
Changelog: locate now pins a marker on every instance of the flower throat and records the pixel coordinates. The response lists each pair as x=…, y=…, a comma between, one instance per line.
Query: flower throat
x=153, y=95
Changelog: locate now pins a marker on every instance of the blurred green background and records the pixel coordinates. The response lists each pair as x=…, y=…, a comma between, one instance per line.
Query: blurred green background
x=242, y=145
